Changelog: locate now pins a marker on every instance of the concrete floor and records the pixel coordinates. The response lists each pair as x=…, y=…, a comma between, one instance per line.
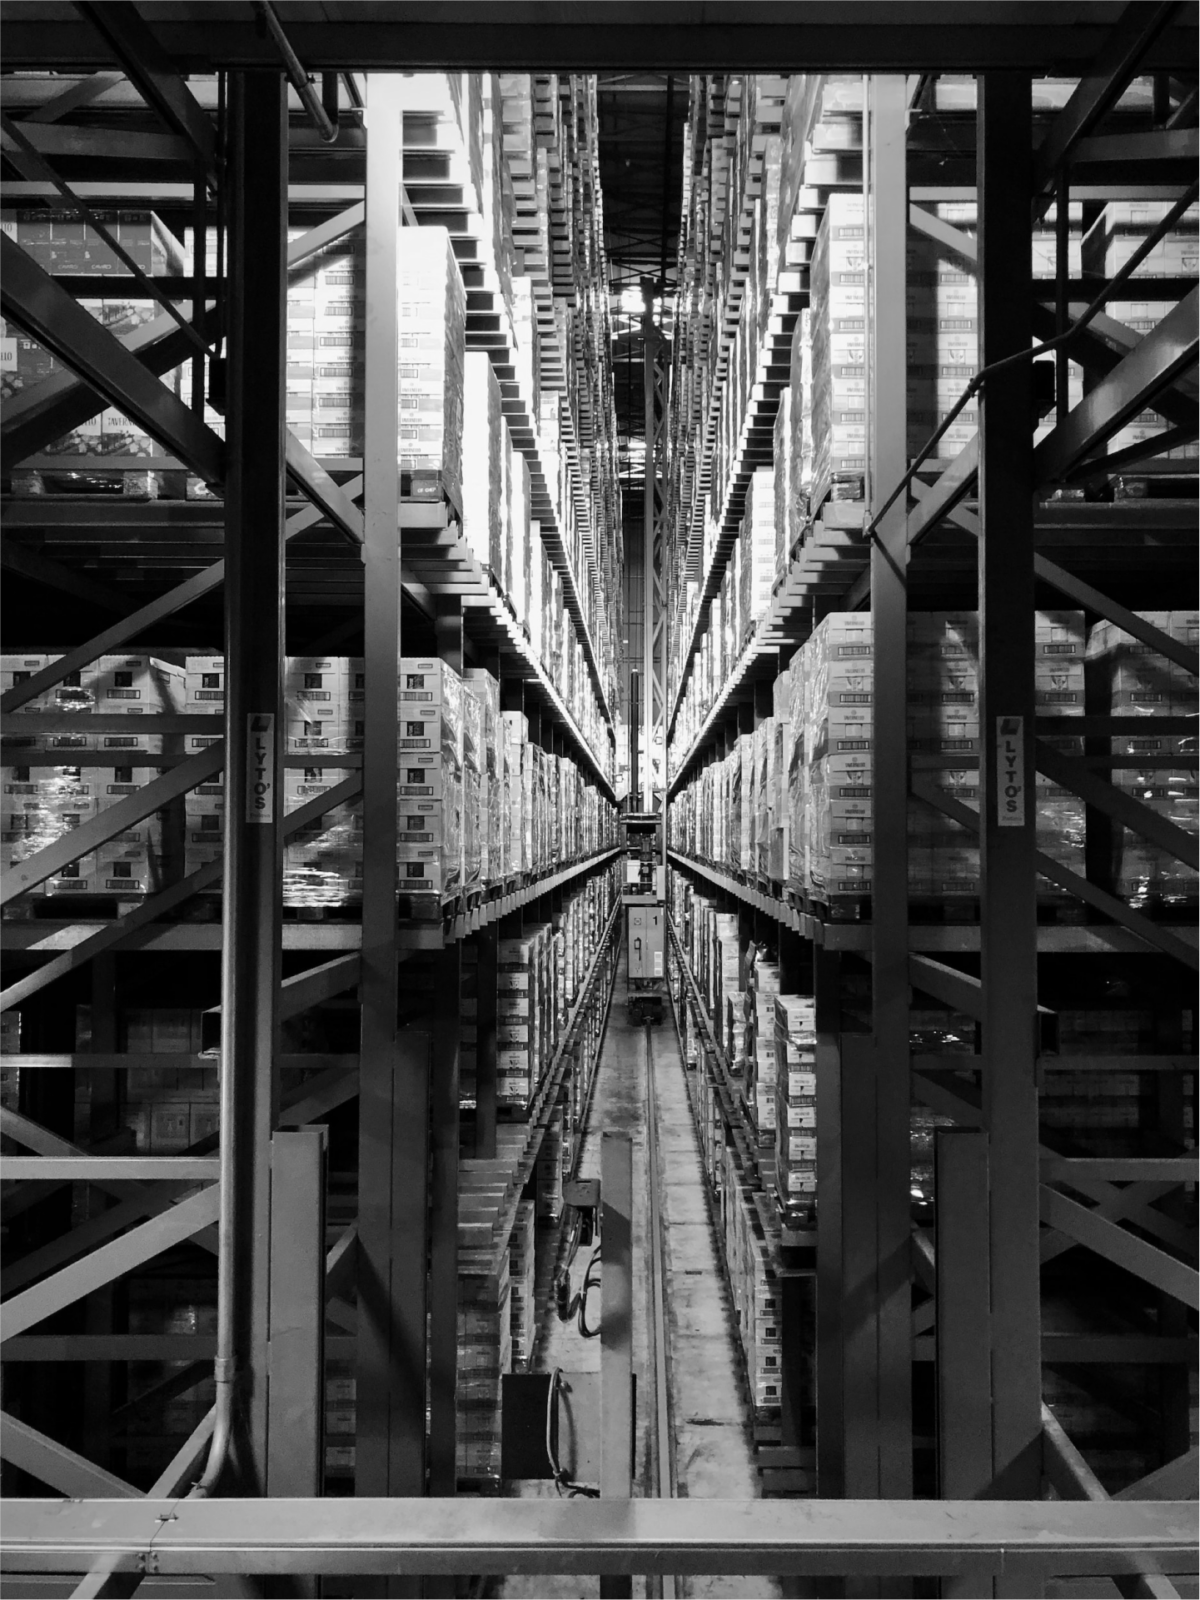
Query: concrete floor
x=711, y=1424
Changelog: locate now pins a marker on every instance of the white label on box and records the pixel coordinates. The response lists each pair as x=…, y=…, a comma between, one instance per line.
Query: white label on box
x=260, y=767
x=1010, y=772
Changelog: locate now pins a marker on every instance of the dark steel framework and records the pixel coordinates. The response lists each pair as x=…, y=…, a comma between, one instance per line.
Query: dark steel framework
x=1007, y=1189
x=1001, y=1205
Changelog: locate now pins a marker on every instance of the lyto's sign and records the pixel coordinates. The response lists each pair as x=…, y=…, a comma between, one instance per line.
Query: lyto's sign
x=260, y=767
x=1010, y=772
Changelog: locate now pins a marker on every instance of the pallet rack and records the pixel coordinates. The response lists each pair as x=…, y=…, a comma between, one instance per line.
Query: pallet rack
x=901, y=548
x=1024, y=1546
x=357, y=555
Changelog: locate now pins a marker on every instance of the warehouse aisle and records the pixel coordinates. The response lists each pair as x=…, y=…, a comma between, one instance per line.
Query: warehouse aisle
x=713, y=1451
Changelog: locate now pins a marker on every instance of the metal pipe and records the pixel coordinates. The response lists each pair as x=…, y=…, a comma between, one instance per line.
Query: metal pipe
x=297, y=77
x=253, y=645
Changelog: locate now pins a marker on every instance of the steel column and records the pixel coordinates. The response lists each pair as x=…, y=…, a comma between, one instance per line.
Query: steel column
x=485, y=1044
x=887, y=320
x=394, y=1068
x=296, y=1438
x=254, y=590
x=963, y=1329
x=98, y=1393
x=444, y=1118
x=654, y=612
x=831, y=1461
x=1007, y=840
x=616, y=1330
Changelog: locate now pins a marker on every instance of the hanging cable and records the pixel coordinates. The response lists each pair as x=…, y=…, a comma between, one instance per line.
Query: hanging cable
x=562, y=1479
x=591, y=1280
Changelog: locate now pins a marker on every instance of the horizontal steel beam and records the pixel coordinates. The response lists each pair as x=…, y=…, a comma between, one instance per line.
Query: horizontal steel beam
x=1120, y=1169
x=115, y=1169
x=656, y=36
x=108, y=144
x=399, y=1536
x=168, y=1347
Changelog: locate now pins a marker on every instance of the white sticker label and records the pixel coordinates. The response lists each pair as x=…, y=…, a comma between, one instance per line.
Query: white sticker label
x=260, y=767
x=1010, y=772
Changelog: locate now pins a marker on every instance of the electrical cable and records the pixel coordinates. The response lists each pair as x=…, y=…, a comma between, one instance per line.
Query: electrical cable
x=590, y=1281
x=562, y=1479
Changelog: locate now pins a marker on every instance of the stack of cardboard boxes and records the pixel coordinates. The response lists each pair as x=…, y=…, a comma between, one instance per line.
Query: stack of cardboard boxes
x=796, y=1107
x=485, y=1351
x=812, y=764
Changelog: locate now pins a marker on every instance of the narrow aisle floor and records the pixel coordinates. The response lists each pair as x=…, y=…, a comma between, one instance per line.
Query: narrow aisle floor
x=713, y=1452
x=714, y=1455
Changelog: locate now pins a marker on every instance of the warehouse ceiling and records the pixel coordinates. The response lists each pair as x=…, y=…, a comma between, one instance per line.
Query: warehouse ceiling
x=701, y=36
x=642, y=118
x=631, y=35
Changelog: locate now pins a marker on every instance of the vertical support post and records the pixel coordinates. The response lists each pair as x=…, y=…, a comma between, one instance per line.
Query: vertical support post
x=486, y=951
x=651, y=687
x=861, y=1309
x=394, y=1067
x=887, y=224
x=444, y=1116
x=296, y=1444
x=831, y=1410
x=485, y=1045
x=964, y=1418
x=1009, y=910
x=616, y=1331
x=98, y=1389
x=254, y=591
